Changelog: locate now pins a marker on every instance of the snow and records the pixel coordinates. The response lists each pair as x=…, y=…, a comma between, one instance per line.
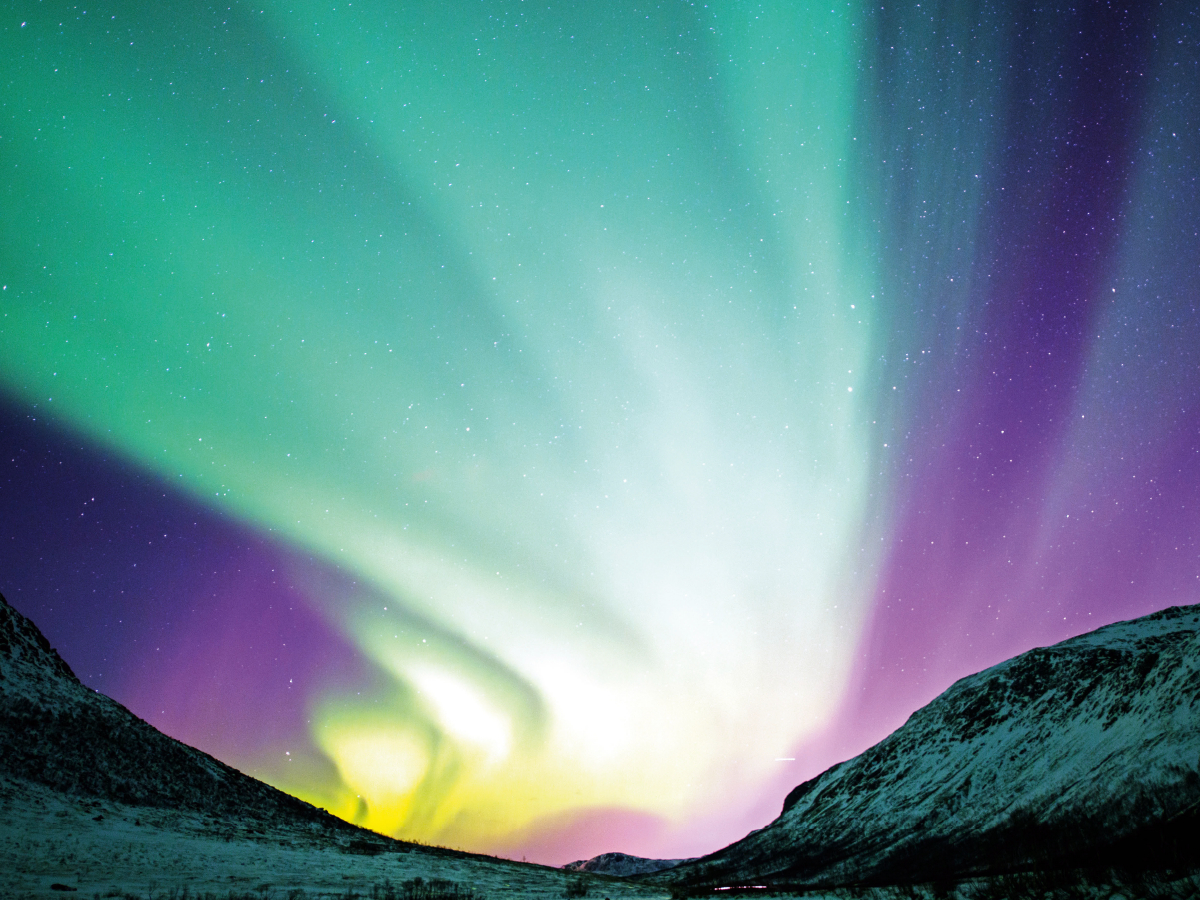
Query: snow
x=47, y=838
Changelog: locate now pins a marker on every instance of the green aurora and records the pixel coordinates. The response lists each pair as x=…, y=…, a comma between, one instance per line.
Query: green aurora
x=556, y=327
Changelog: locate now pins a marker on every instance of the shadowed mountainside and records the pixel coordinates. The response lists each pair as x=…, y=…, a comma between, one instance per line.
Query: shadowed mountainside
x=1081, y=755
x=57, y=733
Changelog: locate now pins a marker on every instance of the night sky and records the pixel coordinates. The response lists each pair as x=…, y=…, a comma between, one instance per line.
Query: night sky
x=551, y=428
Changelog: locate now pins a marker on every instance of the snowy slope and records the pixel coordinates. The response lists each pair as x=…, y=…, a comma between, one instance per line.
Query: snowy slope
x=1084, y=754
x=57, y=733
x=49, y=838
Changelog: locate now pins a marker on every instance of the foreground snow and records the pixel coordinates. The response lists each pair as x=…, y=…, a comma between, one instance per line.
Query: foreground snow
x=47, y=838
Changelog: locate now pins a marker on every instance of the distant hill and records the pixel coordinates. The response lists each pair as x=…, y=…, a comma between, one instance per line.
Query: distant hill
x=1084, y=755
x=621, y=864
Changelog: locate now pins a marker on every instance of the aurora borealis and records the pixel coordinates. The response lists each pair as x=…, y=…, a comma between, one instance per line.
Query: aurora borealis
x=549, y=429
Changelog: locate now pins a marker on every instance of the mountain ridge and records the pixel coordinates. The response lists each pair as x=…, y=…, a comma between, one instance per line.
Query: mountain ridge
x=56, y=732
x=1082, y=754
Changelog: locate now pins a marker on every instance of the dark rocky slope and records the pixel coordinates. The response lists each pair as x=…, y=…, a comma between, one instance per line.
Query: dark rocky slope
x=1081, y=755
x=59, y=734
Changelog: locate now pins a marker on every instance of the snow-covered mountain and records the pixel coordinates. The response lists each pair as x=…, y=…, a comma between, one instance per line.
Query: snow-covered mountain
x=1081, y=755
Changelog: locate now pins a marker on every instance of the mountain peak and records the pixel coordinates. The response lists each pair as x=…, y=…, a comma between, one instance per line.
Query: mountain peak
x=61, y=735
x=26, y=657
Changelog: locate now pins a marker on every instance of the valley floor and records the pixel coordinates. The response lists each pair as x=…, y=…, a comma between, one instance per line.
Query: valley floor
x=56, y=846
x=103, y=849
